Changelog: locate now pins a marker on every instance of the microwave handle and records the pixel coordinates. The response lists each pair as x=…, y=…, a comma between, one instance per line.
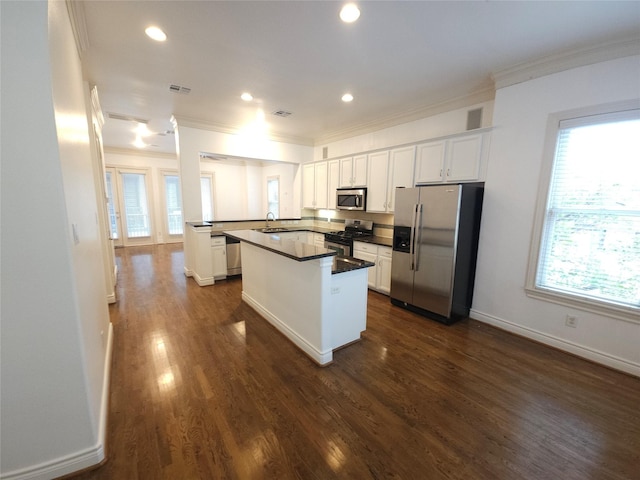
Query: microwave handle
x=357, y=200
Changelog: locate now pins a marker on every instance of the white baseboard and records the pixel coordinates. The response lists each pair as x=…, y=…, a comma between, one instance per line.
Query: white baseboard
x=203, y=281
x=85, y=458
x=560, y=343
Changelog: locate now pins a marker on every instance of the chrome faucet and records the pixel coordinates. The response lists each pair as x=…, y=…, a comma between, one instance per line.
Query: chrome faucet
x=273, y=217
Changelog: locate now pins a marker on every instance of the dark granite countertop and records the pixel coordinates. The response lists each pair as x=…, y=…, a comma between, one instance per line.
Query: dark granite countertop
x=289, y=248
x=321, y=230
x=298, y=251
x=343, y=264
x=384, y=241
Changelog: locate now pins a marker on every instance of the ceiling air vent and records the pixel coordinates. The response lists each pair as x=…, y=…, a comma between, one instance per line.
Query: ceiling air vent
x=281, y=113
x=126, y=118
x=179, y=89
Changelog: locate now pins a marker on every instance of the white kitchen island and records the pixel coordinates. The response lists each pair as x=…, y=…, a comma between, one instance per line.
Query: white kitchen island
x=317, y=299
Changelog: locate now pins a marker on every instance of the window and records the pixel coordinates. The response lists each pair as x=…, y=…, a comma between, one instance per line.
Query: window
x=273, y=195
x=135, y=205
x=174, y=204
x=206, y=192
x=589, y=249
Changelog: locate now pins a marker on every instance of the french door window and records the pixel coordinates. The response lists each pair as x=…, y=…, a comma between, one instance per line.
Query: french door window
x=136, y=206
x=113, y=219
x=173, y=202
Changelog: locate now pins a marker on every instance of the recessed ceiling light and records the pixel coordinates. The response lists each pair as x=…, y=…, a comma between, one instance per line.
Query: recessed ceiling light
x=349, y=13
x=347, y=97
x=156, y=33
x=246, y=96
x=139, y=143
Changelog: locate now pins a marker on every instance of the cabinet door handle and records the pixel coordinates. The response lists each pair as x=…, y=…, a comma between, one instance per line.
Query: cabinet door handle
x=448, y=172
x=440, y=172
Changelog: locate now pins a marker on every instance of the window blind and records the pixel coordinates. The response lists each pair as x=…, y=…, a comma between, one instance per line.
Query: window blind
x=591, y=235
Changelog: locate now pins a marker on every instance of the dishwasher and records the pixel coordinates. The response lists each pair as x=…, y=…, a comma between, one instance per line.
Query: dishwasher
x=234, y=263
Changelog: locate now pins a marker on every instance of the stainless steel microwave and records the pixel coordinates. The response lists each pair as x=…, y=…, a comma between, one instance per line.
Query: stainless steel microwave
x=351, y=198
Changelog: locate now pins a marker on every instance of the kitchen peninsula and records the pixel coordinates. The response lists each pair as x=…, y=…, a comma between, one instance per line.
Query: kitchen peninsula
x=316, y=298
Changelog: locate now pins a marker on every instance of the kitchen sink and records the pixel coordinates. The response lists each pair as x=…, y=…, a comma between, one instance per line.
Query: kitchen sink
x=272, y=230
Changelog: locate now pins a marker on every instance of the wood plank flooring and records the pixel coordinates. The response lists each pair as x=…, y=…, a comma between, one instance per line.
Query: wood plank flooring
x=204, y=388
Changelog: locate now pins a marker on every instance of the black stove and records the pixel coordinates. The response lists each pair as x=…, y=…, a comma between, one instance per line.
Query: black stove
x=342, y=241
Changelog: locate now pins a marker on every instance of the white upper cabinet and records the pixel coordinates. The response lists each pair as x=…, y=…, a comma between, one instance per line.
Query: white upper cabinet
x=314, y=185
x=388, y=170
x=333, y=182
x=402, y=162
x=457, y=159
x=353, y=171
x=377, y=181
x=463, y=158
x=430, y=162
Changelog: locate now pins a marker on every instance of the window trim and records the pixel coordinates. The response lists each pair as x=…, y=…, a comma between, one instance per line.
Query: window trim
x=271, y=178
x=620, y=312
x=212, y=198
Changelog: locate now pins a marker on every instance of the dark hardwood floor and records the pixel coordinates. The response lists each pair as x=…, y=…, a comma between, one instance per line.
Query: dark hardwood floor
x=204, y=388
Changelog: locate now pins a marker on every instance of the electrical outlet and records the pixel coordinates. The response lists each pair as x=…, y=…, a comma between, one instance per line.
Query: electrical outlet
x=335, y=290
x=571, y=321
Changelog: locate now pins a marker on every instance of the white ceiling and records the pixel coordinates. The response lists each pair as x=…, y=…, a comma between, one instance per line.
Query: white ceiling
x=399, y=59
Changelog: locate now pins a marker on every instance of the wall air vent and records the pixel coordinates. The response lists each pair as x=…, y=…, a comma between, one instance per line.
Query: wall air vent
x=325, y=153
x=126, y=118
x=474, y=119
x=179, y=89
x=281, y=113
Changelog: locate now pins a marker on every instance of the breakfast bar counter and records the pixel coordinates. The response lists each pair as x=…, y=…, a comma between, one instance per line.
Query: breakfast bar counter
x=316, y=299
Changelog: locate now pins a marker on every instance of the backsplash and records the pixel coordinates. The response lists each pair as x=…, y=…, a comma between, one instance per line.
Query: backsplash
x=334, y=219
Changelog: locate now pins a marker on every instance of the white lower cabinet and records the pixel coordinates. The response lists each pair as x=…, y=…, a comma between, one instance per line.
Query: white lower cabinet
x=318, y=239
x=297, y=236
x=219, y=257
x=380, y=256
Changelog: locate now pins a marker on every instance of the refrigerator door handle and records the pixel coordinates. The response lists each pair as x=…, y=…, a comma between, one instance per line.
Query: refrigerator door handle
x=416, y=248
x=412, y=236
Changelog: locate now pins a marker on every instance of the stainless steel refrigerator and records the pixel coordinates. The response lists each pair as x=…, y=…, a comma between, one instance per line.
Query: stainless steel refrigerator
x=435, y=243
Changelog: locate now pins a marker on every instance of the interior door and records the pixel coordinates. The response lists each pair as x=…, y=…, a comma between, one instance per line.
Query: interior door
x=433, y=280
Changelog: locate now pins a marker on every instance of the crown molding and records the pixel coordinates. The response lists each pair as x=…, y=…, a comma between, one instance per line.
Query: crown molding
x=179, y=121
x=482, y=95
x=566, y=60
x=75, y=10
x=140, y=153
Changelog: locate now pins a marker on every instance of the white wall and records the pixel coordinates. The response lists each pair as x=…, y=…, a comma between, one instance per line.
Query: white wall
x=287, y=174
x=239, y=188
x=520, y=119
x=193, y=141
x=55, y=322
x=440, y=125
